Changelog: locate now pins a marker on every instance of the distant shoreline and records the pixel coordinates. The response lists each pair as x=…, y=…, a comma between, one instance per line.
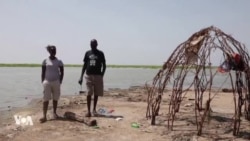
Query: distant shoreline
x=78, y=65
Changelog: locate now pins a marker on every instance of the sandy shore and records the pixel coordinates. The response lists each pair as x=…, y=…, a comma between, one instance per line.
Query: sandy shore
x=131, y=105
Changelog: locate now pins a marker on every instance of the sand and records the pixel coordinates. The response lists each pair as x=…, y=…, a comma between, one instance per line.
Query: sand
x=131, y=105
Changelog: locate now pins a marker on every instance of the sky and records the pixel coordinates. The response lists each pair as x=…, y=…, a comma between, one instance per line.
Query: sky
x=129, y=32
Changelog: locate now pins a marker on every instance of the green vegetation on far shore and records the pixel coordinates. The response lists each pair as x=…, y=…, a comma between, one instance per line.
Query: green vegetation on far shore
x=135, y=66
x=78, y=65
x=19, y=65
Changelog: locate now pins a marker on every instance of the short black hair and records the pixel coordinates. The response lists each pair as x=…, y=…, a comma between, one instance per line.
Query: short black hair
x=50, y=47
x=93, y=42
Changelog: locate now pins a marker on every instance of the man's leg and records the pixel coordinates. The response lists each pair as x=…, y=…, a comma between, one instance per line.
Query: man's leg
x=56, y=92
x=95, y=103
x=89, y=86
x=45, y=109
x=55, y=102
x=98, y=90
x=46, y=98
x=88, y=105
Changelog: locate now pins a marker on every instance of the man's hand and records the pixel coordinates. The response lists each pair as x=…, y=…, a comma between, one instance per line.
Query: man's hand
x=80, y=81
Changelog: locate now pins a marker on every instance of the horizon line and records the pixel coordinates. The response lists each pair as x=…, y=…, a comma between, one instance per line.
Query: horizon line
x=80, y=65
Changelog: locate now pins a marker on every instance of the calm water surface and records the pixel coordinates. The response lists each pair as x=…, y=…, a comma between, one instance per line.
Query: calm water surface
x=19, y=85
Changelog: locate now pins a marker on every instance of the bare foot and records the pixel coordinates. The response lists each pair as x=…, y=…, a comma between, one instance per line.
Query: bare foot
x=88, y=114
x=42, y=120
x=94, y=113
x=55, y=116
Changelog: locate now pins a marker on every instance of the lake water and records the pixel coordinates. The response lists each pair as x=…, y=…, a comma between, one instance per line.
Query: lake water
x=19, y=85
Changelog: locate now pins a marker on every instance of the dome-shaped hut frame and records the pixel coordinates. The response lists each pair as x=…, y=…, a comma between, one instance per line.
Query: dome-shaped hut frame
x=194, y=55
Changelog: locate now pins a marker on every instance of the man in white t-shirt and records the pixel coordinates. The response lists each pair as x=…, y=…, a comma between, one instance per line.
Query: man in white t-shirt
x=52, y=76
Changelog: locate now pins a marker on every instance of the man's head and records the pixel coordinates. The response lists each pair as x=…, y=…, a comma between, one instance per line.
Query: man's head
x=52, y=50
x=93, y=44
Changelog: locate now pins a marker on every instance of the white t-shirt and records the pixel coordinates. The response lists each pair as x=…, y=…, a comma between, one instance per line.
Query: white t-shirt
x=52, y=72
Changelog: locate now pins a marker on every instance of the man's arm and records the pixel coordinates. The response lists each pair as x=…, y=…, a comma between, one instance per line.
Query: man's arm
x=43, y=73
x=103, y=65
x=83, y=71
x=103, y=68
x=61, y=73
x=84, y=67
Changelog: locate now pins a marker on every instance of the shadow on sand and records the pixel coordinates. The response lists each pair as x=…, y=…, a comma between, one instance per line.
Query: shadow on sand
x=71, y=116
x=107, y=116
